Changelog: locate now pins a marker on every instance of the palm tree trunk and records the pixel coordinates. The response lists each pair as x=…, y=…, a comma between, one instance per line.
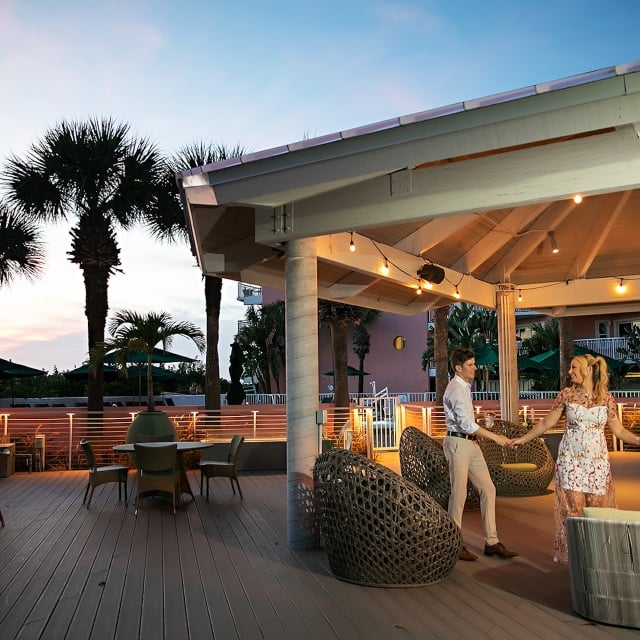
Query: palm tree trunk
x=339, y=335
x=96, y=282
x=565, y=332
x=440, y=355
x=150, y=402
x=213, y=296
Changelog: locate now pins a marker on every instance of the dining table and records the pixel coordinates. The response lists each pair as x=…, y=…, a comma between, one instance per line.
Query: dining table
x=183, y=446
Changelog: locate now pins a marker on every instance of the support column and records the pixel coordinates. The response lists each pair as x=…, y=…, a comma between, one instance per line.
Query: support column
x=301, y=302
x=507, y=351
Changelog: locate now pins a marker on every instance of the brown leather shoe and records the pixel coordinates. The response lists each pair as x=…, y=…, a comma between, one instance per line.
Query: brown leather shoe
x=465, y=554
x=499, y=550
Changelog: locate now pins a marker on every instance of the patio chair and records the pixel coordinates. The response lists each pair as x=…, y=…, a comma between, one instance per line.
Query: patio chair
x=378, y=528
x=525, y=471
x=222, y=468
x=102, y=475
x=422, y=461
x=158, y=471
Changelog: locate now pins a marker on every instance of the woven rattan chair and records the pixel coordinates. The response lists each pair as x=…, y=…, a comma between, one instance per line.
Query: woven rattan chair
x=422, y=461
x=101, y=475
x=158, y=471
x=222, y=468
x=525, y=471
x=378, y=528
x=604, y=572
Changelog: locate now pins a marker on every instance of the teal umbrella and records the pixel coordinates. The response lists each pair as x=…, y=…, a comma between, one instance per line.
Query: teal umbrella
x=486, y=354
x=10, y=370
x=157, y=355
x=551, y=359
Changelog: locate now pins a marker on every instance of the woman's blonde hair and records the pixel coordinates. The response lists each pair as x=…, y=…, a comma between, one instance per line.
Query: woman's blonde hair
x=599, y=374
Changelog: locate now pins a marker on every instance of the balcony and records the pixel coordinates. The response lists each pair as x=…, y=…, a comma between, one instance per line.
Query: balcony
x=249, y=293
x=605, y=346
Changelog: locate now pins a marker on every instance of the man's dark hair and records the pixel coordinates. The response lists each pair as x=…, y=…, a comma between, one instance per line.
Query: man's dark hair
x=459, y=356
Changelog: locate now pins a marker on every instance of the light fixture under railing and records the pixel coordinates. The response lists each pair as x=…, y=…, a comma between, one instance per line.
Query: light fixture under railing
x=554, y=244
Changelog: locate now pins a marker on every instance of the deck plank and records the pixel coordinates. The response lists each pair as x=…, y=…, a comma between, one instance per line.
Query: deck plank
x=222, y=569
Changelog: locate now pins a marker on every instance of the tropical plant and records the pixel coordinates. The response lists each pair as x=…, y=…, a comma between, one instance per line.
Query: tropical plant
x=544, y=336
x=132, y=331
x=459, y=325
x=262, y=340
x=99, y=174
x=21, y=248
x=167, y=223
x=340, y=317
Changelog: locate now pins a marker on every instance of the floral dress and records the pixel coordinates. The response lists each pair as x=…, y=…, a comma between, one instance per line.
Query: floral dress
x=583, y=473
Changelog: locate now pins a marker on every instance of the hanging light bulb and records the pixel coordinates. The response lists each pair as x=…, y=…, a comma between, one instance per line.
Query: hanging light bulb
x=385, y=268
x=554, y=244
x=457, y=293
x=352, y=244
x=519, y=295
x=577, y=198
x=419, y=290
x=621, y=287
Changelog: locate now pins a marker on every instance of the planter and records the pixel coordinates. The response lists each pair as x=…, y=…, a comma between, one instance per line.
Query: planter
x=151, y=425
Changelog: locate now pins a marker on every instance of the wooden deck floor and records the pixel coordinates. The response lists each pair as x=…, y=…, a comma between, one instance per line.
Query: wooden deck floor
x=223, y=570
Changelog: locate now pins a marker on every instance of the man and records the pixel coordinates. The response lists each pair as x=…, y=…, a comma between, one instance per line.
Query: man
x=464, y=455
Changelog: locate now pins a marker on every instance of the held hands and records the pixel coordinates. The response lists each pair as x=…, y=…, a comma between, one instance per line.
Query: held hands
x=516, y=442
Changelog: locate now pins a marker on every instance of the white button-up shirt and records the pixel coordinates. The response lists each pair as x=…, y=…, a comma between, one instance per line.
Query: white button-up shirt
x=458, y=407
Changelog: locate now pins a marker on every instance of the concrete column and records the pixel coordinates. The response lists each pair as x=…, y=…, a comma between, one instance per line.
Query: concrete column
x=507, y=352
x=301, y=299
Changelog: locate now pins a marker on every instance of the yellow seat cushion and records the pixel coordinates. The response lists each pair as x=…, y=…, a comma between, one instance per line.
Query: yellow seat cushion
x=608, y=513
x=520, y=466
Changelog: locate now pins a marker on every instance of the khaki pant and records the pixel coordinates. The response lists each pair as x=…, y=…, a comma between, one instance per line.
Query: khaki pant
x=466, y=462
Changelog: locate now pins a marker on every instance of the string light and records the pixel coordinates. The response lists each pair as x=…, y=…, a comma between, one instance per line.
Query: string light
x=621, y=287
x=352, y=244
x=577, y=198
x=554, y=244
x=419, y=290
x=519, y=295
x=457, y=293
x=385, y=268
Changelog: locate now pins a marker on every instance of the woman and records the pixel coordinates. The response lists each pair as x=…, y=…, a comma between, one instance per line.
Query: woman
x=583, y=473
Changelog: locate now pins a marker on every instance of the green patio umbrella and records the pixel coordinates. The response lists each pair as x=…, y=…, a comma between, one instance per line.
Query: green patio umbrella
x=158, y=355
x=551, y=359
x=10, y=370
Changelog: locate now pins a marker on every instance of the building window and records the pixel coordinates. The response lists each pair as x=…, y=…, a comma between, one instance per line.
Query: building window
x=602, y=330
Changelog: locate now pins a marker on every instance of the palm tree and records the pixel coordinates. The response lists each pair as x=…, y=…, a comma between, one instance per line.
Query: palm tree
x=340, y=317
x=99, y=174
x=21, y=249
x=167, y=223
x=132, y=331
x=262, y=340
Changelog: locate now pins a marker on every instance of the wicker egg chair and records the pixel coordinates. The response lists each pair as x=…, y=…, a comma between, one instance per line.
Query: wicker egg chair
x=379, y=529
x=422, y=461
x=525, y=471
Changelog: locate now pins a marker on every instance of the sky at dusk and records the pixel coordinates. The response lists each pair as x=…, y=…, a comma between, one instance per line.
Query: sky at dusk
x=257, y=74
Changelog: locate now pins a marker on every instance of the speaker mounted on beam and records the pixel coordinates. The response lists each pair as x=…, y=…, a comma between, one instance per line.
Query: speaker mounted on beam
x=431, y=273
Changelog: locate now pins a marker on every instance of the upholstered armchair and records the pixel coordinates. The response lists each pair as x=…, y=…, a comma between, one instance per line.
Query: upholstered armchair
x=379, y=529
